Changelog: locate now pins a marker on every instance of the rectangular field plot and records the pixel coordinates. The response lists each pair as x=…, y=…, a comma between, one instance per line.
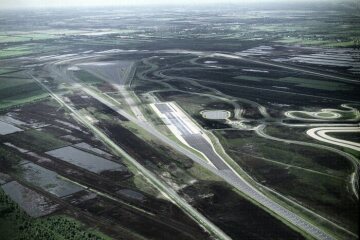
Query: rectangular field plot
x=90, y=148
x=48, y=180
x=31, y=202
x=85, y=160
x=14, y=91
x=36, y=140
x=6, y=128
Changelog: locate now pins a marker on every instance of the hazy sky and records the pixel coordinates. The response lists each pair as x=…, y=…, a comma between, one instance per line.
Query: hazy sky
x=68, y=3
x=65, y=3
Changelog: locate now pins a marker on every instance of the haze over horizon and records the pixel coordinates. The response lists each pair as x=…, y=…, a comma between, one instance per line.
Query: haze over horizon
x=5, y=4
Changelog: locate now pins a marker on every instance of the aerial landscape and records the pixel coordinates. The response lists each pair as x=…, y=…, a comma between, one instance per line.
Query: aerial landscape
x=158, y=120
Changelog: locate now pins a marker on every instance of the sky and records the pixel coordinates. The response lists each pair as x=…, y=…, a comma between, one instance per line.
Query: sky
x=69, y=3
x=89, y=3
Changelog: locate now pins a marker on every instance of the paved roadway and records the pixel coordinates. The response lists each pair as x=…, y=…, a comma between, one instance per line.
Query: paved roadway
x=195, y=140
x=166, y=190
x=198, y=142
x=228, y=175
x=320, y=134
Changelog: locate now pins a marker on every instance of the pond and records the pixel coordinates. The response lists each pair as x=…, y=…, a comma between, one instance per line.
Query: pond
x=48, y=180
x=85, y=160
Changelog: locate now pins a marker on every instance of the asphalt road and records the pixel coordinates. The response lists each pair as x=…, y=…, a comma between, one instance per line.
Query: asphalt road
x=159, y=184
x=320, y=134
x=229, y=175
x=195, y=140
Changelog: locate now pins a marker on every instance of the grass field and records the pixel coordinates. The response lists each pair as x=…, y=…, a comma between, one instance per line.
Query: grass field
x=316, y=84
x=11, y=82
x=313, y=177
x=297, y=155
x=5, y=71
x=87, y=77
x=15, y=101
x=15, y=92
x=8, y=159
x=13, y=38
x=300, y=82
x=15, y=51
x=316, y=42
x=36, y=140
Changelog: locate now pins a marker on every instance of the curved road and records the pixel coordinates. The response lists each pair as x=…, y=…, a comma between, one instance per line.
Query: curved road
x=229, y=175
x=354, y=176
x=320, y=134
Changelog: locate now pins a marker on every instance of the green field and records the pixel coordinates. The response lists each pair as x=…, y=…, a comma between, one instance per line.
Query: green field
x=36, y=140
x=8, y=159
x=316, y=84
x=313, y=177
x=316, y=42
x=300, y=156
x=15, y=92
x=6, y=83
x=87, y=77
x=5, y=71
x=279, y=27
x=29, y=48
x=326, y=115
x=14, y=38
x=15, y=51
x=15, y=101
x=300, y=82
x=249, y=78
